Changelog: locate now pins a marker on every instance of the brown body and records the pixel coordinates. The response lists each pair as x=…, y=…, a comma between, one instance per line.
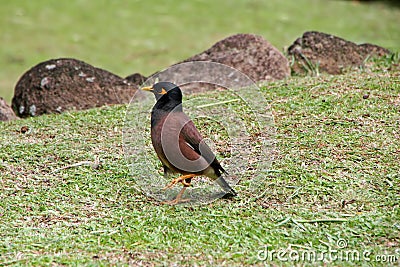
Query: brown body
x=178, y=144
x=185, y=142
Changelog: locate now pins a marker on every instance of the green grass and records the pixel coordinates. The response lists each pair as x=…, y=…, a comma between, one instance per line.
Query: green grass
x=146, y=36
x=335, y=177
x=337, y=161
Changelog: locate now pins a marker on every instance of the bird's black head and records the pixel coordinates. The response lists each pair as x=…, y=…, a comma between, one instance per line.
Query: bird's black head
x=161, y=88
x=168, y=96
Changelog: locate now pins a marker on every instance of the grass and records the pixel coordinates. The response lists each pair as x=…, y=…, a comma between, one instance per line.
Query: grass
x=334, y=184
x=146, y=36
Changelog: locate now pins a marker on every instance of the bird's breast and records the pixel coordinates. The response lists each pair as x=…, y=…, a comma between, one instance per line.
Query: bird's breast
x=173, y=150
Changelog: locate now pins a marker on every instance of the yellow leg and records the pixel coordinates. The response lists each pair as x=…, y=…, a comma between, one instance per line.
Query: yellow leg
x=180, y=179
x=178, y=198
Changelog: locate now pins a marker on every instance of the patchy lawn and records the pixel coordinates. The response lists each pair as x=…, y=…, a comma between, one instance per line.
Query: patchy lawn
x=333, y=187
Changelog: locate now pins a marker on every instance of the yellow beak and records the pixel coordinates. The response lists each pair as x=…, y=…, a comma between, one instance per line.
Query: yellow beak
x=147, y=88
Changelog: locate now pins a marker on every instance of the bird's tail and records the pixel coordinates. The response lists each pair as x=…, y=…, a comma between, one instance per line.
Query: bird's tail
x=229, y=192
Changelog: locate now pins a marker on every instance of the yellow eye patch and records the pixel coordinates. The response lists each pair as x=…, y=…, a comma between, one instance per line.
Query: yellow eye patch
x=163, y=91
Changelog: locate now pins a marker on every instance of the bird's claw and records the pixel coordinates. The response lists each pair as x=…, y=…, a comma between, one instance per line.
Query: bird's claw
x=180, y=179
x=176, y=201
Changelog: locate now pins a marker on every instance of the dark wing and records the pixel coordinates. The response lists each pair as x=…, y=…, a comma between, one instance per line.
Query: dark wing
x=193, y=137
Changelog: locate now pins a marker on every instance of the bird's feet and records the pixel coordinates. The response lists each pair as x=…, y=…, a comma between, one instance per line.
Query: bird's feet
x=180, y=179
x=178, y=198
x=176, y=201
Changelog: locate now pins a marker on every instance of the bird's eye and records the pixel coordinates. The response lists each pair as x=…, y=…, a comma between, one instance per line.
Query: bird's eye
x=163, y=91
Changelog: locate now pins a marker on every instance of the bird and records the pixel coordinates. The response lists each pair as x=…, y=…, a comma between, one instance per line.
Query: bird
x=179, y=145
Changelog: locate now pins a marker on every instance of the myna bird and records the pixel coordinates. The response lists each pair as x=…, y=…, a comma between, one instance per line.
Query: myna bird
x=178, y=144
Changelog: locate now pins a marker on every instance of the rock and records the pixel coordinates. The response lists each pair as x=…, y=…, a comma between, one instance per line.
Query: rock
x=250, y=54
x=59, y=85
x=317, y=51
x=136, y=79
x=6, y=113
